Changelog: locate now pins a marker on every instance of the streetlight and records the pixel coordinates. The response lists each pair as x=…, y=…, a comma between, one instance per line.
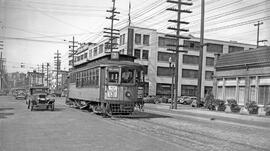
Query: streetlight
x=171, y=67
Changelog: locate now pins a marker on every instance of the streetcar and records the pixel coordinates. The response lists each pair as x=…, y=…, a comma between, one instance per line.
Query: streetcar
x=107, y=85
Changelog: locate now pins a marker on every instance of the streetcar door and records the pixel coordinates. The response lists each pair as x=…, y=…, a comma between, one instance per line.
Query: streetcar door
x=102, y=83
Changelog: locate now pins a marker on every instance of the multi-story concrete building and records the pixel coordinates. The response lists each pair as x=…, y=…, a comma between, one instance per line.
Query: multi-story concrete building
x=149, y=46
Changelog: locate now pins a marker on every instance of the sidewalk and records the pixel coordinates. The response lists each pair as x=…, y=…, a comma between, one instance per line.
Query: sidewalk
x=205, y=113
x=201, y=113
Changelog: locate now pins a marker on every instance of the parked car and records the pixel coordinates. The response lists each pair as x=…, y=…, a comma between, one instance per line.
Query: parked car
x=186, y=99
x=195, y=103
x=178, y=98
x=163, y=99
x=39, y=97
x=151, y=99
x=21, y=95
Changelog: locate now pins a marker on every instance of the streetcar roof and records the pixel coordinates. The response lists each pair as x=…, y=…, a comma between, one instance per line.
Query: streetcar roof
x=104, y=61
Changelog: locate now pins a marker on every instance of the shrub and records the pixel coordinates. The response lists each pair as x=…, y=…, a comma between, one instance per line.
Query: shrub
x=252, y=107
x=220, y=105
x=233, y=105
x=267, y=109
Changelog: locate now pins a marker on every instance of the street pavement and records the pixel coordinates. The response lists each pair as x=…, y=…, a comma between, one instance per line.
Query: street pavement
x=158, y=128
x=67, y=129
x=205, y=114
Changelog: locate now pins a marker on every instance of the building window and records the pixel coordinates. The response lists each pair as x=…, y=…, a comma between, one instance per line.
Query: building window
x=252, y=94
x=235, y=49
x=210, y=61
x=85, y=55
x=95, y=51
x=220, y=93
x=192, y=45
x=163, y=71
x=137, y=39
x=207, y=90
x=120, y=38
x=163, y=42
x=137, y=53
x=264, y=94
x=209, y=75
x=188, y=90
x=187, y=73
x=214, y=48
x=164, y=56
x=101, y=48
x=123, y=39
x=145, y=54
x=146, y=40
x=188, y=59
x=230, y=92
x=163, y=89
x=241, y=95
x=90, y=53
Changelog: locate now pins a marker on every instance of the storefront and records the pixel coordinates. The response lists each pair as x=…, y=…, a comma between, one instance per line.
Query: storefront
x=243, y=76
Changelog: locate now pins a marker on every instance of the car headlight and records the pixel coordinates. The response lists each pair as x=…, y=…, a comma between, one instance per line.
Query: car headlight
x=128, y=94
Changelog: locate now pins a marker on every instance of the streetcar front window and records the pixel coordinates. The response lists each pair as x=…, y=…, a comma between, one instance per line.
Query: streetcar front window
x=113, y=76
x=127, y=75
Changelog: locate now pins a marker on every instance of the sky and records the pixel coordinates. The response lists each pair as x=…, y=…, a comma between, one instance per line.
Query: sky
x=33, y=30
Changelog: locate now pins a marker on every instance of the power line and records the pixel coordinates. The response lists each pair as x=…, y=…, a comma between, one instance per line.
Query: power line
x=35, y=40
x=55, y=18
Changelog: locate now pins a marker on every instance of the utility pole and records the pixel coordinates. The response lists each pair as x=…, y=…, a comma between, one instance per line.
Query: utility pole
x=201, y=53
x=1, y=45
x=258, y=33
x=42, y=73
x=72, y=51
x=1, y=64
x=1, y=70
x=177, y=37
x=57, y=64
x=111, y=32
x=129, y=14
x=37, y=74
x=48, y=74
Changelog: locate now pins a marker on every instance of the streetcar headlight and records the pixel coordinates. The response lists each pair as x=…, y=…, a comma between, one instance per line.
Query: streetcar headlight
x=128, y=94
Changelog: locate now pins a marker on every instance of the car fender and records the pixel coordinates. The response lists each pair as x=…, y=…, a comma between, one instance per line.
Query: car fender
x=51, y=101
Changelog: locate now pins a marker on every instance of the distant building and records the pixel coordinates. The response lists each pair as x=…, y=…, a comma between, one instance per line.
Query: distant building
x=149, y=47
x=35, y=78
x=17, y=79
x=244, y=76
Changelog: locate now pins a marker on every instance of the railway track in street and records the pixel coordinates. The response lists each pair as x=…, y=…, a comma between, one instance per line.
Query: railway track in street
x=171, y=129
x=185, y=132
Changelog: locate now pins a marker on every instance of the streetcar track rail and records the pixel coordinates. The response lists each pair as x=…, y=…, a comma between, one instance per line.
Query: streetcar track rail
x=175, y=136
